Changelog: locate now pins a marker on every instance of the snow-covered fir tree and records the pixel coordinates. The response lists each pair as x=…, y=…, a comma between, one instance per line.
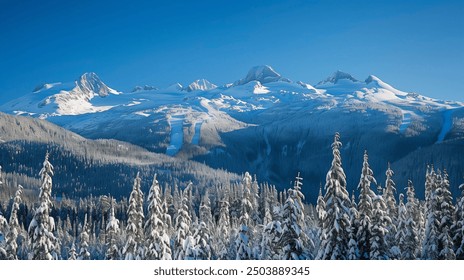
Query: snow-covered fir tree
x=365, y=208
x=205, y=210
x=270, y=241
x=223, y=229
x=294, y=241
x=242, y=244
x=202, y=239
x=414, y=217
x=402, y=232
x=254, y=199
x=380, y=221
x=84, y=237
x=243, y=249
x=267, y=205
x=445, y=218
x=458, y=227
x=134, y=229
x=389, y=193
x=42, y=241
x=112, y=233
x=14, y=228
x=336, y=225
x=430, y=243
x=157, y=225
x=72, y=255
x=392, y=212
x=3, y=228
x=184, y=243
x=320, y=208
x=353, y=251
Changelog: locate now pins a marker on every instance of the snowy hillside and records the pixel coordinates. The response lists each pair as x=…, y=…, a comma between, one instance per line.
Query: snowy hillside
x=24, y=141
x=255, y=122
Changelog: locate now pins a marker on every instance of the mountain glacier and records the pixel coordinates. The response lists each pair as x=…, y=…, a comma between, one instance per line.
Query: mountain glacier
x=263, y=123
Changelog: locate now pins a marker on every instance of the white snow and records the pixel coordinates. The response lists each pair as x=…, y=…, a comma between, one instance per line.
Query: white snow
x=260, y=89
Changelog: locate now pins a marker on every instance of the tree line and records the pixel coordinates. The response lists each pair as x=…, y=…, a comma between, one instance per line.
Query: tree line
x=242, y=221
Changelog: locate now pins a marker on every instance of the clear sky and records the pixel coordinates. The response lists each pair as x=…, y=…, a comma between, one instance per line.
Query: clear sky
x=413, y=45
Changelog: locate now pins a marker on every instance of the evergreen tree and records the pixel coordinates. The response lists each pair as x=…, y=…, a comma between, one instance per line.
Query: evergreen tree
x=458, y=228
x=202, y=238
x=134, y=228
x=392, y=212
x=184, y=243
x=72, y=255
x=413, y=215
x=320, y=208
x=336, y=225
x=380, y=220
x=157, y=225
x=84, y=253
x=294, y=241
x=41, y=238
x=271, y=241
x=14, y=227
x=430, y=244
x=445, y=219
x=243, y=246
x=3, y=228
x=365, y=208
x=402, y=231
x=205, y=211
x=353, y=251
x=112, y=232
x=267, y=206
x=223, y=229
x=254, y=199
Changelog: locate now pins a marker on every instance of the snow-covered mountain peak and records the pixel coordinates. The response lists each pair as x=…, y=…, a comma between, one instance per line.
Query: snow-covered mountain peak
x=375, y=82
x=201, y=84
x=263, y=74
x=338, y=76
x=90, y=84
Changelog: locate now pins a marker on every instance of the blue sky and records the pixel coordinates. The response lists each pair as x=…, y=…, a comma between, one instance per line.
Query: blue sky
x=413, y=45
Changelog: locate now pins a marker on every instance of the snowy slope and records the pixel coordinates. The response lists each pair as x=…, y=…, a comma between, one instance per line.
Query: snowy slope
x=77, y=160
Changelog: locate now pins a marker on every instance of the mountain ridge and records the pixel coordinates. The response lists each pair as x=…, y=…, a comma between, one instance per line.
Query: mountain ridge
x=263, y=119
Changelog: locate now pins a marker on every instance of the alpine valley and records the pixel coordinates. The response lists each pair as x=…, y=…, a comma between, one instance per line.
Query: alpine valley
x=264, y=123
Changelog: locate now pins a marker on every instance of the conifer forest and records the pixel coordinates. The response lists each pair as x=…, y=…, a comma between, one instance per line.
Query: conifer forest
x=246, y=220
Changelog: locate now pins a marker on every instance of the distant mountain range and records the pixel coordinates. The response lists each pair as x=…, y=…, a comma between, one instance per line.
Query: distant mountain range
x=266, y=124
